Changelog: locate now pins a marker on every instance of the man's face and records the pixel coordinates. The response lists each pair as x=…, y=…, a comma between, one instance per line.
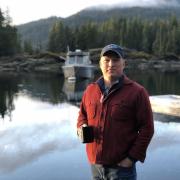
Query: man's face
x=111, y=66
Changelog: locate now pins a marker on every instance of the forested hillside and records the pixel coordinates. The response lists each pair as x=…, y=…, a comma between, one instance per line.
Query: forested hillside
x=37, y=32
x=99, y=15
x=159, y=37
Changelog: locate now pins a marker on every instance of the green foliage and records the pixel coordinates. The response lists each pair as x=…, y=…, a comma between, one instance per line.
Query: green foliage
x=139, y=55
x=9, y=42
x=152, y=30
x=38, y=31
x=158, y=37
x=28, y=47
x=60, y=37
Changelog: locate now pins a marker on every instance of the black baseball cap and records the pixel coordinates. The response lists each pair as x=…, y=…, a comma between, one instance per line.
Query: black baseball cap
x=114, y=48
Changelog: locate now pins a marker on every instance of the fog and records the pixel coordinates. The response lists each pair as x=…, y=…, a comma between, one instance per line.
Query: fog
x=143, y=3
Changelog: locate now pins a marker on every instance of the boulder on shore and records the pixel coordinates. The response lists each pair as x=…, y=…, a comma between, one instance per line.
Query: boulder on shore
x=24, y=63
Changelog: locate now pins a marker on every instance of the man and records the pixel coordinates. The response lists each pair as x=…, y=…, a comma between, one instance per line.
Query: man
x=119, y=111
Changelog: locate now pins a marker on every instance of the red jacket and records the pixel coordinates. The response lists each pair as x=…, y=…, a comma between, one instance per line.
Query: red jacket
x=122, y=122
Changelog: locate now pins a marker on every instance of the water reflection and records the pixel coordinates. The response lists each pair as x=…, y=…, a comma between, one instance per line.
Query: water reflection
x=74, y=89
x=36, y=130
x=162, y=154
x=53, y=88
x=44, y=87
x=166, y=135
x=8, y=87
x=157, y=82
x=42, y=138
x=38, y=135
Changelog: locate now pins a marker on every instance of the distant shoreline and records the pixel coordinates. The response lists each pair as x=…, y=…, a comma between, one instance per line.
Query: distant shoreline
x=53, y=64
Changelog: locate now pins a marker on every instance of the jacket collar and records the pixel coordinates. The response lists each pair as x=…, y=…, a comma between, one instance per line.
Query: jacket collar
x=123, y=80
x=127, y=80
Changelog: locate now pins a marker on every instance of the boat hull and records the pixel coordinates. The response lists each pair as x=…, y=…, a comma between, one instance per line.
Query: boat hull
x=78, y=71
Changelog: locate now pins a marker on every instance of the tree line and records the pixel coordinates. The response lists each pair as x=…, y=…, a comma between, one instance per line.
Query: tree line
x=159, y=37
x=9, y=40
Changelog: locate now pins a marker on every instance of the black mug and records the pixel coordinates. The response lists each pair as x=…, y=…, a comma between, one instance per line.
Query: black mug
x=87, y=134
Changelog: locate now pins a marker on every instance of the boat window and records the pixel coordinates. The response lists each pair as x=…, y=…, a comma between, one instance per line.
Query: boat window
x=71, y=60
x=86, y=59
x=80, y=59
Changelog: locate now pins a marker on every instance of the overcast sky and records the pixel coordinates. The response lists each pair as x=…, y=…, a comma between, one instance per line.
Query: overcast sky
x=23, y=11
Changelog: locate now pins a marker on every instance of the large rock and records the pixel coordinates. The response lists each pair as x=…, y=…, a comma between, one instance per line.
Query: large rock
x=31, y=64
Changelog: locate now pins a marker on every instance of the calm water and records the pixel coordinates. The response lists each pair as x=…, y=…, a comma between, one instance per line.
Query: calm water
x=38, y=129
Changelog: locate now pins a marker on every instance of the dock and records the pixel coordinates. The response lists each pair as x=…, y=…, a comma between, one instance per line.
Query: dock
x=166, y=107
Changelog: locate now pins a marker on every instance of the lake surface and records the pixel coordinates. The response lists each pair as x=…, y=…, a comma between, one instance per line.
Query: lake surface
x=38, y=139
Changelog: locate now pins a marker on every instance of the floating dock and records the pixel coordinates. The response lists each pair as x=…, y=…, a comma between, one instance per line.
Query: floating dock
x=166, y=107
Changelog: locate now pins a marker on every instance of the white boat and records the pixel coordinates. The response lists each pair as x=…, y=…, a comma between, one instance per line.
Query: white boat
x=78, y=65
x=166, y=107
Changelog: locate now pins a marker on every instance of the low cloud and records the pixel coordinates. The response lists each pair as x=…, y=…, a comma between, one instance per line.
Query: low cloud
x=144, y=3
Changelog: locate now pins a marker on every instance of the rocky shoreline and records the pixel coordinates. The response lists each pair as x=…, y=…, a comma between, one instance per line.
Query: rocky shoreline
x=53, y=64
x=160, y=65
x=31, y=64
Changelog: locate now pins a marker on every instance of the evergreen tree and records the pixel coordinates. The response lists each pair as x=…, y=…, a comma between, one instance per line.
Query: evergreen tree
x=159, y=45
x=8, y=36
x=1, y=18
x=28, y=47
x=148, y=36
x=130, y=36
x=59, y=38
x=171, y=41
x=159, y=37
x=87, y=36
x=123, y=31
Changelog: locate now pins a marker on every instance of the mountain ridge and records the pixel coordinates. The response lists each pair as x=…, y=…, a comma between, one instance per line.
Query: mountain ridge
x=37, y=31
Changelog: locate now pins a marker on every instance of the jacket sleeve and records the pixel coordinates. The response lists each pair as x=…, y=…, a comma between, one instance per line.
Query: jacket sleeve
x=82, y=117
x=145, y=126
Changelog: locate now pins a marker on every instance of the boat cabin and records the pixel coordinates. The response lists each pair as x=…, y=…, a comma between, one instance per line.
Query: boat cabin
x=78, y=58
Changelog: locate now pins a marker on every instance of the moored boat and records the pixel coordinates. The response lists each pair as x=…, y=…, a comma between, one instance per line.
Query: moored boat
x=78, y=65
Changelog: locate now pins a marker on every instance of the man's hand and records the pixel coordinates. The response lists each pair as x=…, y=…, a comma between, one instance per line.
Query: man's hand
x=79, y=131
x=125, y=163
